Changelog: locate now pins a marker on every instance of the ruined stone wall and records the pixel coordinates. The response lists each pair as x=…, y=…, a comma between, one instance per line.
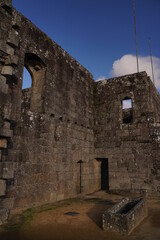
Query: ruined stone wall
x=132, y=148
x=51, y=143
x=58, y=137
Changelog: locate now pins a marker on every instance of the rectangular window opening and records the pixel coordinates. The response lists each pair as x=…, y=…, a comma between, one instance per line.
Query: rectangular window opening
x=127, y=113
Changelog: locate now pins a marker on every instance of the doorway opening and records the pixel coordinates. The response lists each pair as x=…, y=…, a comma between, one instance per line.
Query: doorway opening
x=104, y=174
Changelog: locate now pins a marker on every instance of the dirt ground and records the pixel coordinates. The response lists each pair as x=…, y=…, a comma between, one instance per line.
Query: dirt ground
x=55, y=224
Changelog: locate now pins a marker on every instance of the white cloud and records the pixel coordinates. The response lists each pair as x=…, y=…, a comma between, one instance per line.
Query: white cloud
x=127, y=65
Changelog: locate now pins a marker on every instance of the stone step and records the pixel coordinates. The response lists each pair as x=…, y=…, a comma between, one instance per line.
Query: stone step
x=4, y=213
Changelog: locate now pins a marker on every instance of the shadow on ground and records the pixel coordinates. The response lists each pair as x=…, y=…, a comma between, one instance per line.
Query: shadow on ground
x=95, y=213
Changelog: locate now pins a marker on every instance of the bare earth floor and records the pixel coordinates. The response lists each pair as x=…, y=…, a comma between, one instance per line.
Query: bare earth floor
x=55, y=224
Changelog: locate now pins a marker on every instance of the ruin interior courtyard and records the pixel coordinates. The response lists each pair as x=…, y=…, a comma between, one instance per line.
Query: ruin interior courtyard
x=68, y=135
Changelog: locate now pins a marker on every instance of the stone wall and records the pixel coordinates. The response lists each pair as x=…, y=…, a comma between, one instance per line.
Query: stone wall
x=46, y=137
x=132, y=148
x=66, y=134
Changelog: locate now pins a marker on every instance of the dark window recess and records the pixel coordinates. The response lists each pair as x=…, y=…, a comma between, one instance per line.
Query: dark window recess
x=7, y=8
x=80, y=175
x=127, y=111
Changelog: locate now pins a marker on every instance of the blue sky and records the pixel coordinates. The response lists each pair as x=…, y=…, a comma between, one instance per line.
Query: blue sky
x=98, y=32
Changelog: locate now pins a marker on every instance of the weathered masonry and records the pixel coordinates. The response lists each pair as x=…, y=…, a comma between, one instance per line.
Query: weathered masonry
x=67, y=134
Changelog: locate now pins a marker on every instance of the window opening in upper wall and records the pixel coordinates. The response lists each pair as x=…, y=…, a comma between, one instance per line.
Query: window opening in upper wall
x=27, y=79
x=127, y=111
x=33, y=78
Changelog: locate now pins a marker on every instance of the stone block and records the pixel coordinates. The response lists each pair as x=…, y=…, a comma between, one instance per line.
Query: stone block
x=9, y=50
x=6, y=49
x=6, y=125
x=3, y=47
x=6, y=170
x=12, y=60
x=3, y=85
x=6, y=132
x=16, y=22
x=13, y=39
x=2, y=187
x=7, y=70
x=4, y=213
x=3, y=143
